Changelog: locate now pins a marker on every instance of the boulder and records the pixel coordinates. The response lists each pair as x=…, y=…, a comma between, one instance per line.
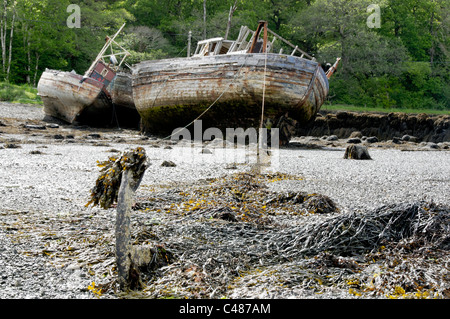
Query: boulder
x=356, y=134
x=354, y=140
x=332, y=138
x=168, y=164
x=372, y=139
x=357, y=152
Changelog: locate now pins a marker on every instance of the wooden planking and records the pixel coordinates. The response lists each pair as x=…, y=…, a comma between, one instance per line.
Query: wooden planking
x=202, y=79
x=122, y=91
x=64, y=96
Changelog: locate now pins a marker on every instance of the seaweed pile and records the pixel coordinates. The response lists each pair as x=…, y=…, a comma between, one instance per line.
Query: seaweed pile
x=107, y=185
x=233, y=238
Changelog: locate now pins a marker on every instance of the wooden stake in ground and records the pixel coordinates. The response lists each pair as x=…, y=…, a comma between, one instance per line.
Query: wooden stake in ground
x=118, y=181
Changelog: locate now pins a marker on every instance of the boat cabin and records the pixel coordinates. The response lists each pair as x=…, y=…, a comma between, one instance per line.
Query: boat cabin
x=243, y=44
x=248, y=41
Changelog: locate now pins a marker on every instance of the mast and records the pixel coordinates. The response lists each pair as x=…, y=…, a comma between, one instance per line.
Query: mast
x=101, y=55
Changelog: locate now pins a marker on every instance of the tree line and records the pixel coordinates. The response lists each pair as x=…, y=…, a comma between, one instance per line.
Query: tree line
x=402, y=62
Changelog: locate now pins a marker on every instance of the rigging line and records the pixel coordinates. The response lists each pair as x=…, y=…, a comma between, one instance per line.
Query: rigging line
x=260, y=142
x=218, y=98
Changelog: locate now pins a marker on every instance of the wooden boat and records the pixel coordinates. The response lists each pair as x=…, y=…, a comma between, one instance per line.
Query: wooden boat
x=229, y=79
x=70, y=97
x=96, y=98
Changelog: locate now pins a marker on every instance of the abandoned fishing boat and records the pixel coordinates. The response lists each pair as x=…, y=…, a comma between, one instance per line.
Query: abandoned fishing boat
x=226, y=82
x=99, y=97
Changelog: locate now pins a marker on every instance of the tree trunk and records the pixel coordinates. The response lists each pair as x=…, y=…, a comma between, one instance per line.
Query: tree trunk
x=26, y=48
x=433, y=42
x=204, y=19
x=36, y=69
x=3, y=25
x=10, y=45
x=230, y=16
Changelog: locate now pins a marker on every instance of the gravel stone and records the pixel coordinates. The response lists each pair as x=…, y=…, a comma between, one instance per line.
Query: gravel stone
x=44, y=197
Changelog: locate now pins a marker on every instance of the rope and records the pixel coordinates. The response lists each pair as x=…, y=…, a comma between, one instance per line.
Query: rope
x=209, y=107
x=262, y=110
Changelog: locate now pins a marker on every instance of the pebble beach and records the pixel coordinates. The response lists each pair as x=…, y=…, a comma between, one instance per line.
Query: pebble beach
x=48, y=169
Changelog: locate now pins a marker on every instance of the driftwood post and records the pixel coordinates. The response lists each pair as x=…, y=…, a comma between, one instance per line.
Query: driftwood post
x=118, y=181
x=123, y=230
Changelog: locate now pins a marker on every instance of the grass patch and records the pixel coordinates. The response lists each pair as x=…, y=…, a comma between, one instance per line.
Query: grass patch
x=23, y=93
x=355, y=108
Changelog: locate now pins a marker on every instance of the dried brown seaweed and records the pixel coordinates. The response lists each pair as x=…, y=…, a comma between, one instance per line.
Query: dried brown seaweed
x=107, y=185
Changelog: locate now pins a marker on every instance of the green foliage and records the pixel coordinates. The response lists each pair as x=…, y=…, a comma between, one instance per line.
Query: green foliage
x=19, y=93
x=403, y=64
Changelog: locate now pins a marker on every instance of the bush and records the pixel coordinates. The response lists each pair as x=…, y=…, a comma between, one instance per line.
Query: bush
x=18, y=93
x=412, y=90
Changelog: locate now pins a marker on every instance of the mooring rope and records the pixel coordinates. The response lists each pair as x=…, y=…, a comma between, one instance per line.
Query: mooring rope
x=209, y=107
x=260, y=142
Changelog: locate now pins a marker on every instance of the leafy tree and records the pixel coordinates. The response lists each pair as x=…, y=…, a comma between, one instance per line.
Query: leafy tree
x=405, y=63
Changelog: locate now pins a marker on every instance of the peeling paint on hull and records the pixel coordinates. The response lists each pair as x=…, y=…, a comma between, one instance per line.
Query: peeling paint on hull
x=169, y=92
x=88, y=102
x=67, y=98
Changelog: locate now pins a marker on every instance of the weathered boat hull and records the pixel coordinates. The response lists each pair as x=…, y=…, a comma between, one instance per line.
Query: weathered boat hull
x=122, y=101
x=74, y=99
x=67, y=96
x=122, y=91
x=171, y=93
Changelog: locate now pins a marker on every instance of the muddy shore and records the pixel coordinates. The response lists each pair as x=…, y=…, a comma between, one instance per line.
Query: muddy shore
x=52, y=246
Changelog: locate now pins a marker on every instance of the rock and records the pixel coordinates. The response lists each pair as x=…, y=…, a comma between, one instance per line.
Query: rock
x=320, y=204
x=356, y=134
x=206, y=151
x=226, y=214
x=2, y=124
x=34, y=127
x=94, y=135
x=406, y=138
x=332, y=138
x=168, y=164
x=357, y=152
x=168, y=147
x=12, y=145
x=433, y=146
x=52, y=125
x=396, y=140
x=354, y=140
x=58, y=137
x=409, y=138
x=372, y=139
